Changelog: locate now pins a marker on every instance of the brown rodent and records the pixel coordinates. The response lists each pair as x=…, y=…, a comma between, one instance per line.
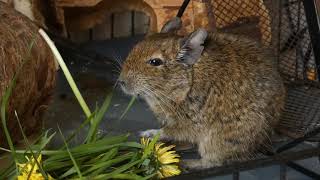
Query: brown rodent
x=219, y=91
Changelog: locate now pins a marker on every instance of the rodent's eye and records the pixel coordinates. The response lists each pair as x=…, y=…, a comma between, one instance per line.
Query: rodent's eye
x=155, y=62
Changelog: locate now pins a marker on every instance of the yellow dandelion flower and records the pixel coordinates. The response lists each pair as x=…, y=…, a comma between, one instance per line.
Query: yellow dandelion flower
x=166, y=157
x=145, y=141
x=32, y=168
x=168, y=171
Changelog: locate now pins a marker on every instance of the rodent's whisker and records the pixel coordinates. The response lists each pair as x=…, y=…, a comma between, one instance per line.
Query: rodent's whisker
x=146, y=91
x=166, y=103
x=117, y=57
x=115, y=84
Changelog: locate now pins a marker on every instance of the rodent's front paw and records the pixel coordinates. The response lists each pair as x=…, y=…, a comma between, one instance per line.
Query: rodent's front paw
x=197, y=164
x=149, y=133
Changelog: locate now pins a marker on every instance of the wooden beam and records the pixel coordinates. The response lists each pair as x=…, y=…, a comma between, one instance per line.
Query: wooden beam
x=77, y=3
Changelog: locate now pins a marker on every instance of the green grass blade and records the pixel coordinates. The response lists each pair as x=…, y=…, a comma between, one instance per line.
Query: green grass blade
x=117, y=171
x=104, y=165
x=133, y=99
x=92, y=135
x=68, y=173
x=71, y=157
x=7, y=172
x=82, y=125
x=149, y=176
x=105, y=156
x=67, y=73
x=29, y=147
x=127, y=176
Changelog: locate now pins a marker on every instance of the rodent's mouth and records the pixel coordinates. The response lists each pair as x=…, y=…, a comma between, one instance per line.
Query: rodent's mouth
x=129, y=91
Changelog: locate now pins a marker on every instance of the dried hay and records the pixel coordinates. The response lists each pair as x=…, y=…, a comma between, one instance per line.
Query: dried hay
x=36, y=81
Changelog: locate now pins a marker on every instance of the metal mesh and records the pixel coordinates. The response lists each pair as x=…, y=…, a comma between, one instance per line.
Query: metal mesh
x=281, y=25
x=295, y=50
x=302, y=110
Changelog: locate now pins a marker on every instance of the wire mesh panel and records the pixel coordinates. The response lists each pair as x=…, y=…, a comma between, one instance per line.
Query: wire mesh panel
x=302, y=110
x=281, y=24
x=295, y=49
x=247, y=17
x=284, y=26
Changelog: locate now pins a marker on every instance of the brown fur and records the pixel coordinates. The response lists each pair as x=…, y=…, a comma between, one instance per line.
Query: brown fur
x=226, y=103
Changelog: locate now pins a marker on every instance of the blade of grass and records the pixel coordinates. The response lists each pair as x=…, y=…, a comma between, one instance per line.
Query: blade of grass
x=5, y=173
x=43, y=152
x=133, y=99
x=82, y=125
x=66, y=72
x=105, y=157
x=92, y=135
x=127, y=176
x=149, y=177
x=117, y=171
x=35, y=157
x=71, y=171
x=71, y=157
x=104, y=165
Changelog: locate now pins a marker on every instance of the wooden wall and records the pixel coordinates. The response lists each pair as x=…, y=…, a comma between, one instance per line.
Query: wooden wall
x=116, y=25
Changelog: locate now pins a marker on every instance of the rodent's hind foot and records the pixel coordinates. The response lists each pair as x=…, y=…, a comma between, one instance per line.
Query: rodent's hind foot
x=197, y=164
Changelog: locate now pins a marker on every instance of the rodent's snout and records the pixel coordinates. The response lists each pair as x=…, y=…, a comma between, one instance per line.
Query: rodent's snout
x=121, y=82
x=125, y=85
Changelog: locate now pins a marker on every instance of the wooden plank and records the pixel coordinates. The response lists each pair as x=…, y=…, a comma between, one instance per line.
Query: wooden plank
x=122, y=24
x=80, y=36
x=141, y=23
x=102, y=31
x=77, y=3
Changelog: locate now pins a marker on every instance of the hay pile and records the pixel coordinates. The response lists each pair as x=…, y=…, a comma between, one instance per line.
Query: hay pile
x=36, y=81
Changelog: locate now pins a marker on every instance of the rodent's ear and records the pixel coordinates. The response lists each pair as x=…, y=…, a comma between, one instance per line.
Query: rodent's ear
x=172, y=25
x=192, y=47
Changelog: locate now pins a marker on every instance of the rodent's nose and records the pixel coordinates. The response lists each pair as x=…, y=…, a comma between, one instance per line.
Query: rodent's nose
x=121, y=82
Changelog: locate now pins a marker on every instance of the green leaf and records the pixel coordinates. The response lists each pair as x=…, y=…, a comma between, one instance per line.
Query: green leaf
x=106, y=156
x=149, y=149
x=117, y=171
x=104, y=165
x=146, y=162
x=71, y=171
x=127, y=176
x=70, y=154
x=92, y=135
